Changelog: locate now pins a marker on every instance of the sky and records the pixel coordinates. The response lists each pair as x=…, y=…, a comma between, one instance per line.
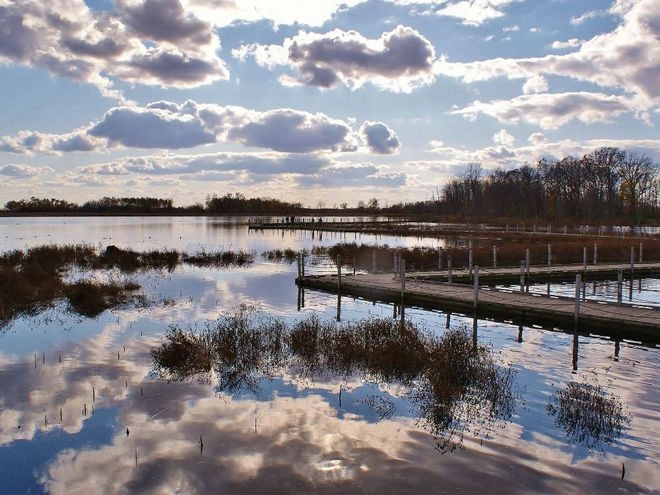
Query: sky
x=321, y=102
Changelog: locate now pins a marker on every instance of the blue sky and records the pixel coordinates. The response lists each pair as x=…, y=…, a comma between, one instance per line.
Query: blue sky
x=318, y=102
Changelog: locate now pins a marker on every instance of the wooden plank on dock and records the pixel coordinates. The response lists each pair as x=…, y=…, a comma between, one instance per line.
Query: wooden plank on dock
x=626, y=321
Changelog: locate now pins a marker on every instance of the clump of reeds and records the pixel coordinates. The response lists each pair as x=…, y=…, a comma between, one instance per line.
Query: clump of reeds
x=287, y=255
x=458, y=386
x=588, y=414
x=219, y=258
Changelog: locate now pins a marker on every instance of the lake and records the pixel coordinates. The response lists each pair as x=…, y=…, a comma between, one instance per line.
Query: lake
x=87, y=407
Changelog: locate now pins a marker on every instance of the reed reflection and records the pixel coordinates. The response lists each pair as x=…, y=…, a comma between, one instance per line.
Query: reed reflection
x=588, y=414
x=452, y=386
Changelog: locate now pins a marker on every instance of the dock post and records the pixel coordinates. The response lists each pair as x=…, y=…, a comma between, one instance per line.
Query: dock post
x=522, y=276
x=527, y=268
x=578, y=286
x=449, y=269
x=494, y=256
x=549, y=254
x=470, y=258
x=339, y=272
x=299, y=270
x=476, y=288
x=395, y=264
x=632, y=263
x=641, y=252
x=439, y=258
x=584, y=259
x=595, y=253
x=354, y=265
x=403, y=278
x=619, y=286
x=373, y=261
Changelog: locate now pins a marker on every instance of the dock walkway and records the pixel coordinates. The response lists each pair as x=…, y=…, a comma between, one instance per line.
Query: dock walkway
x=634, y=322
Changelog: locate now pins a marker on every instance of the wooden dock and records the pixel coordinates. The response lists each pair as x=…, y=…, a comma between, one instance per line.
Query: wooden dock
x=617, y=320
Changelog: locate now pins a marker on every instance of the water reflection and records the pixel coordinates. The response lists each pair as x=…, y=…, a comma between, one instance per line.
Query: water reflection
x=454, y=386
x=588, y=414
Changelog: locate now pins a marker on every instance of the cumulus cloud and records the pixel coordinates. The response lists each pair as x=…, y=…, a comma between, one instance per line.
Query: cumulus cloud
x=503, y=137
x=168, y=125
x=624, y=59
x=294, y=131
x=153, y=42
x=535, y=84
x=380, y=138
x=22, y=171
x=400, y=60
x=550, y=111
x=151, y=128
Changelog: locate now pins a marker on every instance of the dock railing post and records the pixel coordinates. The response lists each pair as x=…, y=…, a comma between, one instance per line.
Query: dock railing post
x=595, y=253
x=339, y=272
x=522, y=276
x=395, y=265
x=403, y=278
x=549, y=254
x=619, y=286
x=449, y=269
x=641, y=252
x=527, y=268
x=373, y=261
x=632, y=263
x=578, y=284
x=584, y=259
x=439, y=258
x=470, y=258
x=494, y=256
x=476, y=288
x=302, y=263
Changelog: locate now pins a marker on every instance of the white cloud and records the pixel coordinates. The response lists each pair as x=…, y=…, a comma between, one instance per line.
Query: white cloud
x=474, y=12
x=503, y=137
x=591, y=14
x=572, y=43
x=624, y=59
x=535, y=84
x=154, y=42
x=380, y=138
x=22, y=171
x=400, y=60
x=550, y=111
x=168, y=125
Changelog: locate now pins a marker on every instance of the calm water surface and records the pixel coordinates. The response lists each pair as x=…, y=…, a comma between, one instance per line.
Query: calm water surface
x=83, y=410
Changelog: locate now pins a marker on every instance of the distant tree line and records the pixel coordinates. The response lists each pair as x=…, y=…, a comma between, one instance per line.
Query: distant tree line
x=606, y=184
x=229, y=203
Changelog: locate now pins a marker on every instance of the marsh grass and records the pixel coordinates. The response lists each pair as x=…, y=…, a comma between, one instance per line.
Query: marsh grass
x=457, y=388
x=287, y=255
x=510, y=252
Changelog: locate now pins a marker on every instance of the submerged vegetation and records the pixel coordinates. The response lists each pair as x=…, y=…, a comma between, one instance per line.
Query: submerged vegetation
x=588, y=414
x=454, y=384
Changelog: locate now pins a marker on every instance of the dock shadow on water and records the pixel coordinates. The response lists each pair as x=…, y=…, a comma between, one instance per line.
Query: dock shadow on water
x=588, y=414
x=451, y=387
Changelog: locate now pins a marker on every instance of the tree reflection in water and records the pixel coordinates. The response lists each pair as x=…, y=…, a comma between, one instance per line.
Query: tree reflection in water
x=588, y=414
x=453, y=387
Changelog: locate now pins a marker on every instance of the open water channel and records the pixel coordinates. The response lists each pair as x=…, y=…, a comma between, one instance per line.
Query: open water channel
x=84, y=407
